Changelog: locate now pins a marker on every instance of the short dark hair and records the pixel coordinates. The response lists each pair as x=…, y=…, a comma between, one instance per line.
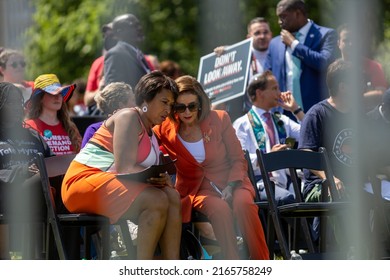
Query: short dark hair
x=288, y=5
x=339, y=71
x=256, y=20
x=151, y=84
x=258, y=82
x=342, y=27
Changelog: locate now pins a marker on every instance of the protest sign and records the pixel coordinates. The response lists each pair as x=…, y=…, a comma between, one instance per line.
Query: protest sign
x=225, y=77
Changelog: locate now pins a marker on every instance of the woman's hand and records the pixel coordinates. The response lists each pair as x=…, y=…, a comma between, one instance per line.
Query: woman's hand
x=163, y=181
x=227, y=194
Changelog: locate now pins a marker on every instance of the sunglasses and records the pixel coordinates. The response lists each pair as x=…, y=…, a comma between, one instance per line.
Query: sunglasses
x=15, y=64
x=181, y=108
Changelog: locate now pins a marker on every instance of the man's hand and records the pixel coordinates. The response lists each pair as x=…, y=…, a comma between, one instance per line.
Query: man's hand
x=340, y=187
x=32, y=170
x=279, y=147
x=287, y=37
x=287, y=101
x=219, y=50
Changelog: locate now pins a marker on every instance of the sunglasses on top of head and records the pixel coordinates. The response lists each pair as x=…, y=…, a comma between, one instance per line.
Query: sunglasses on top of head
x=15, y=64
x=181, y=108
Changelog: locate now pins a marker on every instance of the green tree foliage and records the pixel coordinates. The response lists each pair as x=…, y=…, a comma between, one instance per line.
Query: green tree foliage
x=66, y=35
x=65, y=38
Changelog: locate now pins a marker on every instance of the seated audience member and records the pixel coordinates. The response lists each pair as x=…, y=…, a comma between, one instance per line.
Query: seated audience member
x=381, y=112
x=171, y=69
x=211, y=170
x=381, y=117
x=329, y=124
x=20, y=189
x=125, y=143
x=76, y=106
x=253, y=131
x=112, y=98
x=12, y=68
x=48, y=114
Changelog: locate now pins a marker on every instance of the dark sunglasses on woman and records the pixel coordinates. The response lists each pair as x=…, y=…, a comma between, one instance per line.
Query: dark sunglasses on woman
x=181, y=108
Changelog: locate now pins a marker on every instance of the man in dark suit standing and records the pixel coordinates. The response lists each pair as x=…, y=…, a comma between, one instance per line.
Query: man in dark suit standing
x=125, y=62
x=300, y=55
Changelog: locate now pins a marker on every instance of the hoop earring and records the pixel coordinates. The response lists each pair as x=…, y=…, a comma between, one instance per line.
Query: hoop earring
x=144, y=109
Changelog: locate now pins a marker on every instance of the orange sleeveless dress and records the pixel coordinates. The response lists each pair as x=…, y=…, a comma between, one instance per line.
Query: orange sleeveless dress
x=90, y=184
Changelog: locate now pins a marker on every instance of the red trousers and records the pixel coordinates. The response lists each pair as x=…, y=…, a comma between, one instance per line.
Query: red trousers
x=221, y=217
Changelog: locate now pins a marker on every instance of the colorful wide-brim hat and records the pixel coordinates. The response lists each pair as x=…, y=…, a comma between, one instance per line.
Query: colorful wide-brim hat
x=49, y=83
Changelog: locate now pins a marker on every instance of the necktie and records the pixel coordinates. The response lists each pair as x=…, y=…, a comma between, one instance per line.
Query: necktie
x=269, y=128
x=296, y=75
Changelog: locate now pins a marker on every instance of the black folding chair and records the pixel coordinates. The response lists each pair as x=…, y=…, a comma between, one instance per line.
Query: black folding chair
x=262, y=205
x=60, y=221
x=294, y=160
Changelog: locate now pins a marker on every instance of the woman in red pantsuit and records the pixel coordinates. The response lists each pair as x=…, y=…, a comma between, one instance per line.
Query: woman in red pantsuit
x=208, y=153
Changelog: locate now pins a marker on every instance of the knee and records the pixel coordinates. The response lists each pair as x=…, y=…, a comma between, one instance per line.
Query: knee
x=157, y=200
x=219, y=210
x=287, y=199
x=173, y=197
x=242, y=199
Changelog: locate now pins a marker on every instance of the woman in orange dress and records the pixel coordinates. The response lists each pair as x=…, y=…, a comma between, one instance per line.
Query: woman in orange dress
x=211, y=169
x=125, y=143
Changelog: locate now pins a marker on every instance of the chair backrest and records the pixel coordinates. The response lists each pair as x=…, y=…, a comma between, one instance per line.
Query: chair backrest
x=251, y=172
x=251, y=175
x=58, y=165
x=52, y=167
x=293, y=159
x=82, y=122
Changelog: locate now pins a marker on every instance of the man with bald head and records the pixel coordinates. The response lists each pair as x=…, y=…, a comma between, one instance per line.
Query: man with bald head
x=125, y=62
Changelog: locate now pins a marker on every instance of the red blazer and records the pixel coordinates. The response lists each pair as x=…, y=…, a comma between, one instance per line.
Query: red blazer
x=224, y=160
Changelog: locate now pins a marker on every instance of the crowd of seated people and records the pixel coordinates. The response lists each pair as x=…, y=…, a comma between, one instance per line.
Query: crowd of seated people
x=161, y=109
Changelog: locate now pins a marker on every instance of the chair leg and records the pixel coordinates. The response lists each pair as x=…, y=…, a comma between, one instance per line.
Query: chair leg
x=271, y=239
x=307, y=235
x=105, y=242
x=130, y=247
x=58, y=242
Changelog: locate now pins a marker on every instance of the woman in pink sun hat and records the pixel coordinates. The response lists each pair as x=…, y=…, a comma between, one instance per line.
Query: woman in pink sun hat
x=48, y=114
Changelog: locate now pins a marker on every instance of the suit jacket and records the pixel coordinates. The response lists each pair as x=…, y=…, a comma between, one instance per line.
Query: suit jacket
x=224, y=160
x=317, y=52
x=123, y=64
